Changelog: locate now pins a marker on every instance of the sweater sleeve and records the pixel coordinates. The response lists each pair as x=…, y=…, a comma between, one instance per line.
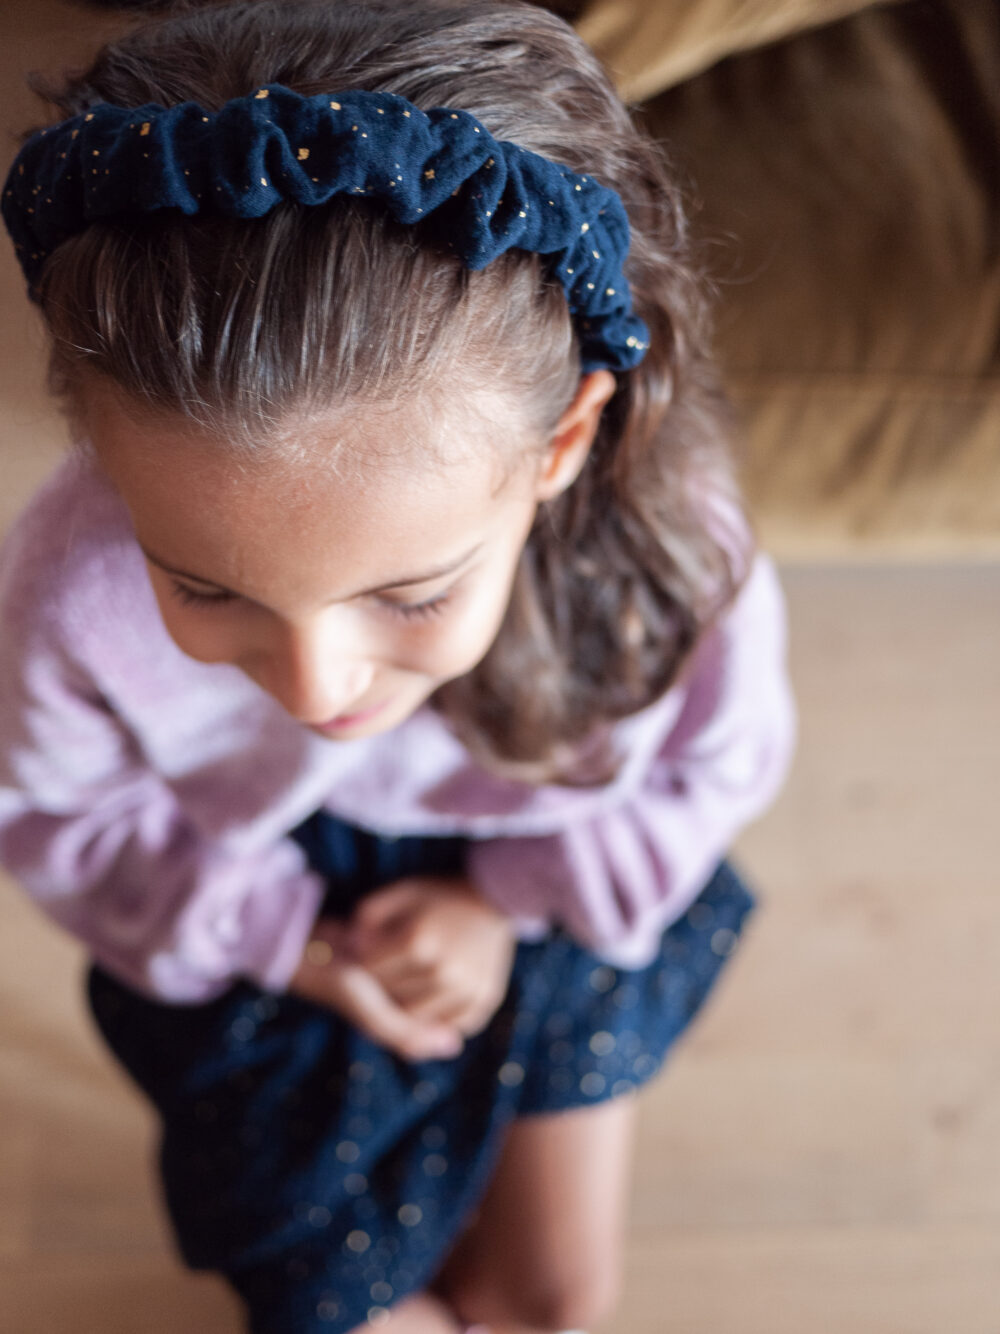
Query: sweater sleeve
x=106, y=849
x=614, y=880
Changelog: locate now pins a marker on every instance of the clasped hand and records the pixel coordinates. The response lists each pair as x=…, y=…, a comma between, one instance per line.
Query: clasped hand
x=421, y=965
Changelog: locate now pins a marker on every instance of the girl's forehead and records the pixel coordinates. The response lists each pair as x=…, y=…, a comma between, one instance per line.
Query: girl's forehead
x=420, y=446
x=370, y=508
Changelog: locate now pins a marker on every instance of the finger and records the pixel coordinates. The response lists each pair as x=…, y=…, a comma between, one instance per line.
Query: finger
x=387, y=939
x=440, y=1007
x=390, y=949
x=376, y=910
x=376, y=1014
x=476, y=1020
x=470, y=1015
x=408, y=991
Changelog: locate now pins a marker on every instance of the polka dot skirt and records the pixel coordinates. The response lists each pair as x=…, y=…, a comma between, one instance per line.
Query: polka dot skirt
x=326, y=1178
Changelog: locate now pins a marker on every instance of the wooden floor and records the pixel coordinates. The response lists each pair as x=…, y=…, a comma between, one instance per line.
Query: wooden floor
x=821, y=1155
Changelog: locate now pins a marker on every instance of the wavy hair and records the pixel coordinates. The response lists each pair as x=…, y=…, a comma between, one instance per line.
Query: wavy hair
x=240, y=325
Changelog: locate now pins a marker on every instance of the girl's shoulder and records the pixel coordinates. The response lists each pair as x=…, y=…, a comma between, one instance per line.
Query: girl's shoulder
x=68, y=555
x=744, y=648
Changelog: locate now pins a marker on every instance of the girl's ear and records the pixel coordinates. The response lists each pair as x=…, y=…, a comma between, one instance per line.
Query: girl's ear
x=574, y=434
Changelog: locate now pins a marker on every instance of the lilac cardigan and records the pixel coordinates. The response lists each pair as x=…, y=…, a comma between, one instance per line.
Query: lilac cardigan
x=146, y=799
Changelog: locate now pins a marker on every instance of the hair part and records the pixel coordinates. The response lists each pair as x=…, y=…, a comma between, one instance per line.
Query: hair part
x=242, y=326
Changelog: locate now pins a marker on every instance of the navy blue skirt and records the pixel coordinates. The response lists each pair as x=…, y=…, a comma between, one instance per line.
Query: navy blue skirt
x=327, y=1178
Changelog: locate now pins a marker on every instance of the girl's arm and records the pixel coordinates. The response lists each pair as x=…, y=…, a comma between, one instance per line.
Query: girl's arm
x=614, y=881
x=104, y=847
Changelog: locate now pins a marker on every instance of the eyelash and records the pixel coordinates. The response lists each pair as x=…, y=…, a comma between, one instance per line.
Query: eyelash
x=419, y=610
x=408, y=611
x=192, y=599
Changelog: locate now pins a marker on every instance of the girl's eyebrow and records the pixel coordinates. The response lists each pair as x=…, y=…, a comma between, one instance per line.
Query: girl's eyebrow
x=438, y=572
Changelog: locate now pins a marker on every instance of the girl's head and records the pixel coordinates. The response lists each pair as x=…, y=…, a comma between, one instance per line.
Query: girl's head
x=339, y=588
x=302, y=407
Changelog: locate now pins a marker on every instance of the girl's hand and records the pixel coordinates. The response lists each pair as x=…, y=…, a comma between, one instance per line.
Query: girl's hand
x=329, y=975
x=440, y=950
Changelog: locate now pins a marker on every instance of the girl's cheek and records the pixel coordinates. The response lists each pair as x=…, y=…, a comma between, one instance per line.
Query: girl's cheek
x=463, y=640
x=204, y=638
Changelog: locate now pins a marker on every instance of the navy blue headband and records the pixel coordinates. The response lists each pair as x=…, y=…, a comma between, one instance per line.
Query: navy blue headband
x=242, y=160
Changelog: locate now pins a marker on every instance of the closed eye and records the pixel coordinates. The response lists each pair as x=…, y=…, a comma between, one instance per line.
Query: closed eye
x=407, y=610
x=415, y=610
x=190, y=598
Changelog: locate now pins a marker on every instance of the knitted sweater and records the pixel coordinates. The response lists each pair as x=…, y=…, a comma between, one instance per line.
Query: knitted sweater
x=146, y=799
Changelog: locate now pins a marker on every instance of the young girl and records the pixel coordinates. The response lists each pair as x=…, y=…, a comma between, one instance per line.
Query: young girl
x=387, y=672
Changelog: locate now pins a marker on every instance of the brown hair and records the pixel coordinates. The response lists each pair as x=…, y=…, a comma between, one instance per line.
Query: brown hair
x=239, y=325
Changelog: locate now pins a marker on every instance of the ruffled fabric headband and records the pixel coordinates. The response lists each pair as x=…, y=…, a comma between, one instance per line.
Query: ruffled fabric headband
x=488, y=195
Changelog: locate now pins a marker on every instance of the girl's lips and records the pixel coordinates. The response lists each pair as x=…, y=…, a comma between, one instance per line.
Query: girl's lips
x=351, y=719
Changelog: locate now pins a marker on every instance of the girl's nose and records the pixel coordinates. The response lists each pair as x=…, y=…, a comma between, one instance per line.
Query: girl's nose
x=312, y=679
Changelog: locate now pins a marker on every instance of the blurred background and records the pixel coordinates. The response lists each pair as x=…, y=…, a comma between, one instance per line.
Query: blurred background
x=821, y=1151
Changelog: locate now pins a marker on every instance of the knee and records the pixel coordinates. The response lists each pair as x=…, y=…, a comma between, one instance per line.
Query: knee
x=586, y=1301
x=575, y=1298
